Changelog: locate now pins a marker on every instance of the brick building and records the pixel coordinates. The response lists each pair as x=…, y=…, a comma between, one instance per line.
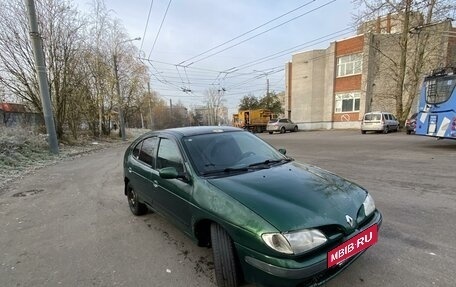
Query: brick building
x=332, y=88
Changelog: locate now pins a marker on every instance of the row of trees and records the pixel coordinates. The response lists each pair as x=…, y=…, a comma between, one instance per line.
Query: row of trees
x=80, y=50
x=271, y=101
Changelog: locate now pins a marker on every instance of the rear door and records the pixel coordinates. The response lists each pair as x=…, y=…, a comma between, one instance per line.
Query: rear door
x=395, y=121
x=141, y=169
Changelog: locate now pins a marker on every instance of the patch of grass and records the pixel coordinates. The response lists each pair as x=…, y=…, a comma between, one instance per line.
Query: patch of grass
x=22, y=151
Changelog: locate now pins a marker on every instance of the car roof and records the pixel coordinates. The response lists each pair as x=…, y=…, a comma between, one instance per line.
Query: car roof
x=195, y=130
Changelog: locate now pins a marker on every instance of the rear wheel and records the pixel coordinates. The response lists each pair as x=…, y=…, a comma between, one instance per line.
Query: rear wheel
x=363, y=132
x=270, y=133
x=227, y=272
x=136, y=207
x=409, y=132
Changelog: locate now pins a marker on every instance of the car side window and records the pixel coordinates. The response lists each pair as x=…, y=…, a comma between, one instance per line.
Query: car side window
x=283, y=121
x=147, y=153
x=137, y=149
x=169, y=155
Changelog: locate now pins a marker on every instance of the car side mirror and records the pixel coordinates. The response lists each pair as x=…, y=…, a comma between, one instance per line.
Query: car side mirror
x=172, y=173
x=168, y=172
x=283, y=151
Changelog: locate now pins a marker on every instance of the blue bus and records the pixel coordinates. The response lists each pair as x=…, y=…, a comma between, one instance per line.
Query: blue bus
x=437, y=105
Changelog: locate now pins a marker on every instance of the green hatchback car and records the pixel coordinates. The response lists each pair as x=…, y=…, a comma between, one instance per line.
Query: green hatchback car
x=268, y=219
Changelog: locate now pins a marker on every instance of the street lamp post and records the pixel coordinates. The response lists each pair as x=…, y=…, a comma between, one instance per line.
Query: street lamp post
x=121, y=115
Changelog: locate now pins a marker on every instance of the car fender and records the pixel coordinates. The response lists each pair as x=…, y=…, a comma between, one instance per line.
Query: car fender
x=242, y=224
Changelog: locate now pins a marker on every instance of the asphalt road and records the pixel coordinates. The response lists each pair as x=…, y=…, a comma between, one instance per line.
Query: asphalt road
x=69, y=224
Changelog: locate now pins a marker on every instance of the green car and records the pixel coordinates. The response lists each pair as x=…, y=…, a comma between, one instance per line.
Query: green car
x=269, y=220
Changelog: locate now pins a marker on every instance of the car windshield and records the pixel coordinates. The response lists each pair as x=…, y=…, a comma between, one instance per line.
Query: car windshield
x=273, y=121
x=230, y=152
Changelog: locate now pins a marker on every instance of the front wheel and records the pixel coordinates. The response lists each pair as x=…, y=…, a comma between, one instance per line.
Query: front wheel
x=295, y=129
x=136, y=207
x=270, y=133
x=385, y=129
x=282, y=130
x=226, y=267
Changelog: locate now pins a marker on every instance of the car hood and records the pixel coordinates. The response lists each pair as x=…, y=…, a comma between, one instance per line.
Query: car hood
x=294, y=196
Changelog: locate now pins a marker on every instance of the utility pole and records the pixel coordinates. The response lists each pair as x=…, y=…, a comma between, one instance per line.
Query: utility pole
x=150, y=109
x=267, y=86
x=121, y=117
x=116, y=74
x=42, y=77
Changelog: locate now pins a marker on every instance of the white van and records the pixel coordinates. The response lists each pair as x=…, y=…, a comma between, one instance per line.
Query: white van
x=379, y=122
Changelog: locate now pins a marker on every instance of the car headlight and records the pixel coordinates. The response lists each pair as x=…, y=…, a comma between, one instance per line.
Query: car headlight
x=294, y=242
x=369, y=205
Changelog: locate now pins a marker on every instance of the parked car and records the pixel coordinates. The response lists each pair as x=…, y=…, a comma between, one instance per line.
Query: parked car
x=379, y=122
x=410, y=124
x=281, y=125
x=269, y=219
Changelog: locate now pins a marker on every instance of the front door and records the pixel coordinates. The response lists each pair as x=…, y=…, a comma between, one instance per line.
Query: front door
x=173, y=195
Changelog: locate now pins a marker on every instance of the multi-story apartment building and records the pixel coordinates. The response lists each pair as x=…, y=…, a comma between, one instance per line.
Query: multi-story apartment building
x=332, y=88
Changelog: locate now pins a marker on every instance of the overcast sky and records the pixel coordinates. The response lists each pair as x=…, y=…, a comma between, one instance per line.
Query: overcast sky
x=193, y=27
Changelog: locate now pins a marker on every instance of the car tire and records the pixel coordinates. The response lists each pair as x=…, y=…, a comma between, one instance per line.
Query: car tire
x=363, y=132
x=270, y=133
x=385, y=129
x=136, y=207
x=282, y=130
x=227, y=272
x=295, y=129
x=409, y=132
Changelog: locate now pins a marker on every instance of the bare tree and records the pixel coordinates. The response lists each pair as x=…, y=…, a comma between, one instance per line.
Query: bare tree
x=214, y=104
x=59, y=24
x=79, y=59
x=415, y=46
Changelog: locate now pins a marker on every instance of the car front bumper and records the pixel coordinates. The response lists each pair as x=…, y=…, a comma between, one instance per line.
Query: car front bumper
x=312, y=271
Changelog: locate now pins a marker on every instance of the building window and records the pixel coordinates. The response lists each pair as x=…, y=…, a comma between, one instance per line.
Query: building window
x=349, y=65
x=347, y=102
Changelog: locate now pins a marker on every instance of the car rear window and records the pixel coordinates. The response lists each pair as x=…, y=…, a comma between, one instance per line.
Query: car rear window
x=372, y=117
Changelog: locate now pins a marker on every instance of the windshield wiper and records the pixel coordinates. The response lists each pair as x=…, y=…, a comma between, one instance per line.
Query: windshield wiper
x=270, y=162
x=226, y=170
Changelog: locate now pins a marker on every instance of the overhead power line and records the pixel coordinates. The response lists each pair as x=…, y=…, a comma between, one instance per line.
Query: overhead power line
x=147, y=24
x=159, y=29
x=261, y=33
x=245, y=33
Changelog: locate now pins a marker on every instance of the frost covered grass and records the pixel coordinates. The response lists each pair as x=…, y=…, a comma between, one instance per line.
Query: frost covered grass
x=22, y=150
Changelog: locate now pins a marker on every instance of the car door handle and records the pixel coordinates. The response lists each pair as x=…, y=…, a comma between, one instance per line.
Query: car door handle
x=129, y=170
x=155, y=183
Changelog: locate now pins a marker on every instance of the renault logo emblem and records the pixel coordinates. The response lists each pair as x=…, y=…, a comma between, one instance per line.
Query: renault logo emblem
x=349, y=220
